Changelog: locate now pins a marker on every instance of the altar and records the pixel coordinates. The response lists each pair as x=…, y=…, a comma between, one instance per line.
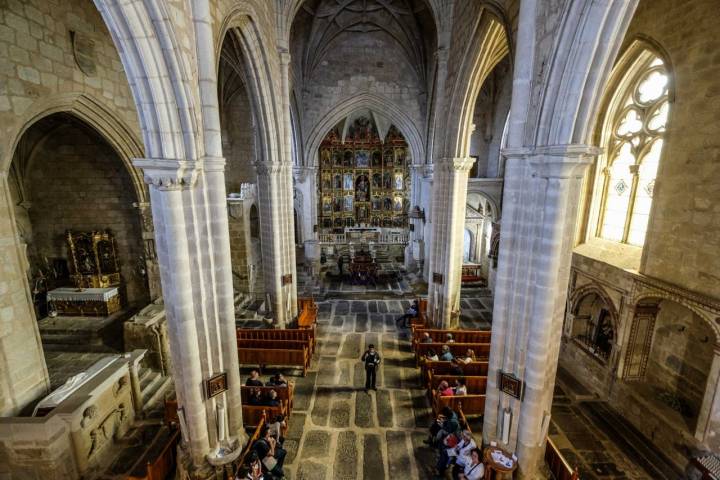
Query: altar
x=84, y=301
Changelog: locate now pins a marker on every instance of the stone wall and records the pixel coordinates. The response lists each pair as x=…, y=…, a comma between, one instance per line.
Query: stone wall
x=363, y=63
x=238, y=136
x=77, y=182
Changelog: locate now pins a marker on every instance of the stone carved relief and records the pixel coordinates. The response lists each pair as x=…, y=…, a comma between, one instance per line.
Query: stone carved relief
x=88, y=415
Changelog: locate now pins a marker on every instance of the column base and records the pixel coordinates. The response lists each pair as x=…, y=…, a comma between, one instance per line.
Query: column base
x=186, y=470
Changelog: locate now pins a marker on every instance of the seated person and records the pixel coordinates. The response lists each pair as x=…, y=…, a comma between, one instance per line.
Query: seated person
x=444, y=389
x=272, y=399
x=426, y=338
x=460, y=387
x=253, y=468
x=445, y=424
x=431, y=356
x=469, y=357
x=474, y=470
x=276, y=427
x=449, y=338
x=446, y=355
x=456, y=368
x=462, y=450
x=277, y=380
x=411, y=313
x=254, y=380
x=270, y=453
x=255, y=397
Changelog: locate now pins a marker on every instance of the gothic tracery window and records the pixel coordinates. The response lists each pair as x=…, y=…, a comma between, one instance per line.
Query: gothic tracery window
x=633, y=138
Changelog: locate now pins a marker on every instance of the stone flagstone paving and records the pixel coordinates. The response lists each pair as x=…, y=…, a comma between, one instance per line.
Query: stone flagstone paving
x=337, y=430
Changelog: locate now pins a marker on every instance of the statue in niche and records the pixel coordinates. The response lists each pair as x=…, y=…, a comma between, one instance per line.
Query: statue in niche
x=399, y=181
x=326, y=182
x=376, y=159
x=387, y=204
x=362, y=189
x=376, y=203
x=376, y=180
x=348, y=181
x=338, y=222
x=387, y=181
x=348, y=159
x=400, y=156
x=327, y=206
x=349, y=203
x=388, y=157
x=337, y=158
x=338, y=181
x=398, y=204
x=338, y=204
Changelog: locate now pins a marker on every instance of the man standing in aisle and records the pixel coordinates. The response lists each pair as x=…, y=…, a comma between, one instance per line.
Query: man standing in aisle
x=372, y=360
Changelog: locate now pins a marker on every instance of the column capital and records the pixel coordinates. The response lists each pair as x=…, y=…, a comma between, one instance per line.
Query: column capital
x=556, y=161
x=213, y=164
x=300, y=173
x=268, y=168
x=168, y=174
x=284, y=55
x=454, y=164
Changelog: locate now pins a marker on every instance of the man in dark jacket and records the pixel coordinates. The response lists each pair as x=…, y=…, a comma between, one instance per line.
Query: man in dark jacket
x=372, y=360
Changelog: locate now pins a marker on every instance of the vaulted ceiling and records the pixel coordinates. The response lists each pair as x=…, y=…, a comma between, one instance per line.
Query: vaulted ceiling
x=320, y=23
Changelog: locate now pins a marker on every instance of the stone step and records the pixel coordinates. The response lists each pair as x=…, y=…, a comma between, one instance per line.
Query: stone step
x=158, y=396
x=150, y=385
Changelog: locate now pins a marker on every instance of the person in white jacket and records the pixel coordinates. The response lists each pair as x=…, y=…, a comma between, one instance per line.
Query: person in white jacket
x=462, y=450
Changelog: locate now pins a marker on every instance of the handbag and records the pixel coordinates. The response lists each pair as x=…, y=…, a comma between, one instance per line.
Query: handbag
x=269, y=462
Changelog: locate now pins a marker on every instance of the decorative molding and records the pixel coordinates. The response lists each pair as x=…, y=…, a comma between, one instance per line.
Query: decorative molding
x=556, y=161
x=269, y=168
x=454, y=164
x=213, y=164
x=166, y=174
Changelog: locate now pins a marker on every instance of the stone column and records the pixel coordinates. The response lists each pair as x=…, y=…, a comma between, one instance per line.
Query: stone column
x=708, y=424
x=541, y=196
x=152, y=269
x=167, y=180
x=214, y=169
x=448, y=213
x=134, y=368
x=286, y=192
x=271, y=217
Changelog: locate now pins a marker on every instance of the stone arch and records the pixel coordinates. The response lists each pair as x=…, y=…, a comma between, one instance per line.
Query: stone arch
x=489, y=45
x=97, y=116
x=580, y=293
x=493, y=210
x=365, y=101
x=159, y=77
x=256, y=67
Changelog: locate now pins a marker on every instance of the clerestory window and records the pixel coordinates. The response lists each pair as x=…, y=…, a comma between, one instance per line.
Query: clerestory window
x=633, y=138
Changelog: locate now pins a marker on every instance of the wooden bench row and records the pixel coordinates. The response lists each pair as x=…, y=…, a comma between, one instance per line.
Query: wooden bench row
x=305, y=334
x=460, y=336
x=274, y=352
x=243, y=458
x=445, y=368
x=481, y=350
x=284, y=394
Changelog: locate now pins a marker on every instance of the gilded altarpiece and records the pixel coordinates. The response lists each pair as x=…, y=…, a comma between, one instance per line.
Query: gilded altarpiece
x=364, y=180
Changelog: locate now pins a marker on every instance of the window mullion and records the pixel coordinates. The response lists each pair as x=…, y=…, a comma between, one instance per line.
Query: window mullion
x=631, y=202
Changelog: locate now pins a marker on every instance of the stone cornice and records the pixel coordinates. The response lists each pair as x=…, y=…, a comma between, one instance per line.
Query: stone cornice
x=556, y=161
x=300, y=173
x=213, y=164
x=269, y=168
x=168, y=174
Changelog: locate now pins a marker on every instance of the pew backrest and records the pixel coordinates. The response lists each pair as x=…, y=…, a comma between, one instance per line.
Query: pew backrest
x=470, y=404
x=476, y=385
x=460, y=336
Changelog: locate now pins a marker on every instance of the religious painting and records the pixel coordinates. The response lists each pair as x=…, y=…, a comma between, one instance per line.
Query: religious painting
x=361, y=213
x=387, y=204
x=216, y=384
x=327, y=205
x=400, y=155
x=337, y=158
x=387, y=222
x=362, y=159
x=338, y=222
x=510, y=384
x=337, y=204
x=348, y=181
x=375, y=222
x=376, y=181
x=348, y=158
x=376, y=203
x=362, y=189
x=399, y=183
x=326, y=181
x=325, y=159
x=349, y=222
x=376, y=159
x=398, y=204
x=338, y=181
x=349, y=203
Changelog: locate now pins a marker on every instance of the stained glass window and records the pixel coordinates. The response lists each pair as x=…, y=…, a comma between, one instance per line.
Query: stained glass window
x=634, y=140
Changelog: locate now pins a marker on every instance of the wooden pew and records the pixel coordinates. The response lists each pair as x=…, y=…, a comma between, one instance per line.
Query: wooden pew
x=285, y=394
x=307, y=313
x=559, y=467
x=482, y=350
x=472, y=369
x=470, y=404
x=274, y=352
x=305, y=334
x=246, y=451
x=421, y=320
x=476, y=385
x=158, y=460
x=460, y=336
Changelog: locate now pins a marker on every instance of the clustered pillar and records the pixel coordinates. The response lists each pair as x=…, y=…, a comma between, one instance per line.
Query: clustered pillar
x=542, y=189
x=448, y=219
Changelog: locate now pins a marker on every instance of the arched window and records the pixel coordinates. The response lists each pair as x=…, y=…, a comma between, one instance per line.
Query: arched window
x=633, y=136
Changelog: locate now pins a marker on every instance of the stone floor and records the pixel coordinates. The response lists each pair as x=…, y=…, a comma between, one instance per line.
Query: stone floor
x=603, y=445
x=337, y=430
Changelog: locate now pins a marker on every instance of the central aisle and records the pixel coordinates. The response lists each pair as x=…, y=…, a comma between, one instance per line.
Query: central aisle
x=337, y=431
